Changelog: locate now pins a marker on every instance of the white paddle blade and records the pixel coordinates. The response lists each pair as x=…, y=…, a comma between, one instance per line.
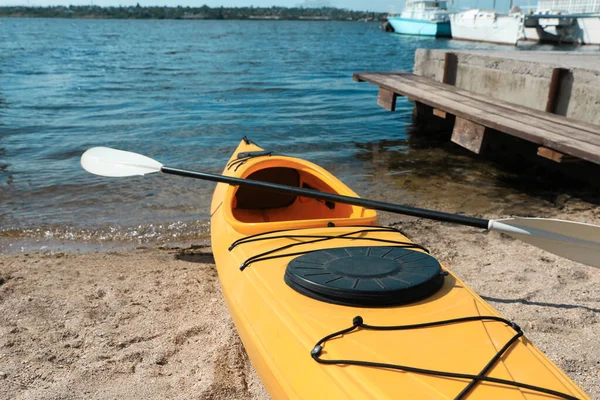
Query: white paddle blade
x=573, y=240
x=105, y=161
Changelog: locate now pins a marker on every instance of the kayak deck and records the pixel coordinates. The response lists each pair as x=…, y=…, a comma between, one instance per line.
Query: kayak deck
x=279, y=326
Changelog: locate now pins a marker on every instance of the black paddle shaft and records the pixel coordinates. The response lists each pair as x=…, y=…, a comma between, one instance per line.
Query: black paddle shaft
x=336, y=198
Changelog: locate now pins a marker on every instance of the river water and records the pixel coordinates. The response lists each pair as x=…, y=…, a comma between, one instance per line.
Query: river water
x=184, y=93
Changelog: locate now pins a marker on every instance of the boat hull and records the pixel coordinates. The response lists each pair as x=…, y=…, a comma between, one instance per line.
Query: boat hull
x=501, y=29
x=583, y=29
x=590, y=29
x=407, y=26
x=279, y=326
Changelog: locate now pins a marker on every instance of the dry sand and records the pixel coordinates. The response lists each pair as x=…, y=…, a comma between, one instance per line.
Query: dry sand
x=152, y=324
x=142, y=324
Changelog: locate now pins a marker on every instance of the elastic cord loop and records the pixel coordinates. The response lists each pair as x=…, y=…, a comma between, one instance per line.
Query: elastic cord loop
x=357, y=322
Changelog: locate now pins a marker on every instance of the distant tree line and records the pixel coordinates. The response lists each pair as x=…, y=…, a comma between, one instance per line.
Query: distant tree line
x=204, y=12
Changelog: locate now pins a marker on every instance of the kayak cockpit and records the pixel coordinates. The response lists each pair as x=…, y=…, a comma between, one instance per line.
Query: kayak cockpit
x=250, y=205
x=253, y=204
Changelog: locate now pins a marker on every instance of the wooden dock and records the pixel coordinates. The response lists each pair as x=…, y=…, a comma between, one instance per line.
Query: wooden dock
x=477, y=118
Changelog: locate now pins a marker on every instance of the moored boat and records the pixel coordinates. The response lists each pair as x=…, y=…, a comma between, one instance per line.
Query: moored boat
x=559, y=21
x=330, y=305
x=589, y=26
x=563, y=28
x=548, y=27
x=422, y=17
x=488, y=26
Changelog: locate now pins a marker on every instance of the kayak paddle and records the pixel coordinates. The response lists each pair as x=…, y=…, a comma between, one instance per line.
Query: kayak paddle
x=576, y=241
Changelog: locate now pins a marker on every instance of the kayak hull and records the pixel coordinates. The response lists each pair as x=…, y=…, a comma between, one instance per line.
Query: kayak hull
x=280, y=326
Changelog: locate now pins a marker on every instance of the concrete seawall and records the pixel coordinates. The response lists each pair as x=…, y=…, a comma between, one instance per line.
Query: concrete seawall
x=522, y=77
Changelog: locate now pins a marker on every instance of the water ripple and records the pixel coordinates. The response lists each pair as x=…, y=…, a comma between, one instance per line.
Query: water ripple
x=184, y=92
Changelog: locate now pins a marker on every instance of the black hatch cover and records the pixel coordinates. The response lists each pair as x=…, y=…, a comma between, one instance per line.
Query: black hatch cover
x=366, y=276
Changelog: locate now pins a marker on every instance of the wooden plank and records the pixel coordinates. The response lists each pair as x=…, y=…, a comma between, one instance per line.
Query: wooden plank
x=555, y=123
x=356, y=77
x=439, y=113
x=559, y=123
x=556, y=120
x=555, y=81
x=528, y=118
x=387, y=99
x=523, y=115
x=556, y=156
x=469, y=135
x=515, y=123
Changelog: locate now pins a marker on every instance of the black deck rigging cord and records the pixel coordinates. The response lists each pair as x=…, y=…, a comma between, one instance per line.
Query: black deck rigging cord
x=357, y=323
x=261, y=236
x=267, y=255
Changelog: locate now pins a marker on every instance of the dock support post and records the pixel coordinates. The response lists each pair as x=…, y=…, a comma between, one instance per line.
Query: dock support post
x=387, y=99
x=439, y=113
x=556, y=156
x=421, y=112
x=469, y=135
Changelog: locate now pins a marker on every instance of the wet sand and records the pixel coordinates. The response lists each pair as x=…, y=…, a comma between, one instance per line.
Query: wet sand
x=152, y=323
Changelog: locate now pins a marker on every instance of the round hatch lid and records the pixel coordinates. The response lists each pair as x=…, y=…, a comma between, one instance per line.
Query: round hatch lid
x=366, y=276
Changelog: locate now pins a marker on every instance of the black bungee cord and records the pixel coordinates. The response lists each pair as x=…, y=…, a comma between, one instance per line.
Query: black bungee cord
x=357, y=323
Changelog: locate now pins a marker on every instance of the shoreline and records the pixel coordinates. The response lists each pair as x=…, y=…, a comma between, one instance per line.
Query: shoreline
x=151, y=321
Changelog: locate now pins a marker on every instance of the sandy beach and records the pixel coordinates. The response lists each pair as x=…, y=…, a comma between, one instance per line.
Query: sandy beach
x=151, y=322
x=108, y=288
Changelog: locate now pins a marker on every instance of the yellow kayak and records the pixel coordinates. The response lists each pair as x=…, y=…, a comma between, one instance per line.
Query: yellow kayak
x=330, y=305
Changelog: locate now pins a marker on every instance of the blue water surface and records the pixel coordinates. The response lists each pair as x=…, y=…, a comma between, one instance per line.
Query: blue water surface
x=183, y=92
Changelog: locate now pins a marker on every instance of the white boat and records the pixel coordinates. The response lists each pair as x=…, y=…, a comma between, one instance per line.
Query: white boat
x=422, y=17
x=488, y=26
x=589, y=26
x=565, y=21
x=550, y=27
x=563, y=28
